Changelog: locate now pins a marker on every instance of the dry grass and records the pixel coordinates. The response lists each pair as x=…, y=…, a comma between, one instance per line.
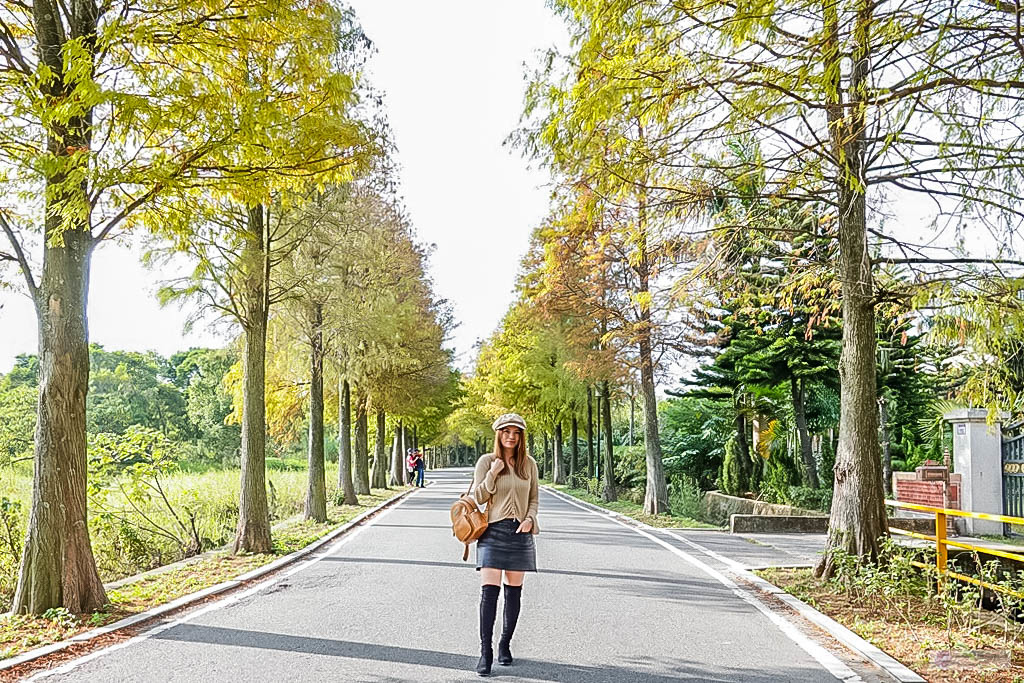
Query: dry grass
x=917, y=630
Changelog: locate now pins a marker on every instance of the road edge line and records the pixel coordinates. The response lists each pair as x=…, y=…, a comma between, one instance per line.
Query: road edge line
x=842, y=634
x=832, y=664
x=203, y=594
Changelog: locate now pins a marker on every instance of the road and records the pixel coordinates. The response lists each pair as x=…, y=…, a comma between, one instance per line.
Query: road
x=393, y=602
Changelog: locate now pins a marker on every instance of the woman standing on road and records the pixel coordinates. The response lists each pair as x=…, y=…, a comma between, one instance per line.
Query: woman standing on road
x=506, y=480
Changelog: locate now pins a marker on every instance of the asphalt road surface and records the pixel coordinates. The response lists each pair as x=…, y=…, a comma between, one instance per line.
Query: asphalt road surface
x=394, y=602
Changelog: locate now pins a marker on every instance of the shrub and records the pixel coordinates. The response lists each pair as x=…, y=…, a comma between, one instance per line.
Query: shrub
x=12, y=521
x=685, y=498
x=798, y=496
x=732, y=480
x=630, y=466
x=810, y=499
x=693, y=434
x=634, y=495
x=285, y=464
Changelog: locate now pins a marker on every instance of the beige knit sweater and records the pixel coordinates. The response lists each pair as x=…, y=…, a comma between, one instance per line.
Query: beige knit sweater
x=507, y=496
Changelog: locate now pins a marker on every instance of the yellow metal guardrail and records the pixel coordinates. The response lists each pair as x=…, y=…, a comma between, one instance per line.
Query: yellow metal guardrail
x=942, y=544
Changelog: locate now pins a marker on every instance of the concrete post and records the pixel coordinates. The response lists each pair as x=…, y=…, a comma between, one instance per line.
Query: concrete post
x=977, y=456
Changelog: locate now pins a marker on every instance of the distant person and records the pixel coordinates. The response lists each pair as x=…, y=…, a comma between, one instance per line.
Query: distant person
x=410, y=466
x=506, y=481
x=421, y=468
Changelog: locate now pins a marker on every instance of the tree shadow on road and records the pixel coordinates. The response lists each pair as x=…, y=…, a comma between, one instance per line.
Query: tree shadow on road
x=671, y=669
x=657, y=585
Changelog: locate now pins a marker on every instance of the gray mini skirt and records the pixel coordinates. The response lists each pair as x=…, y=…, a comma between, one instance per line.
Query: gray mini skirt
x=500, y=547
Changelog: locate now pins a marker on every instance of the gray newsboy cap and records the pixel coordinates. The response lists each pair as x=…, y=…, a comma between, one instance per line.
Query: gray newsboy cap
x=509, y=419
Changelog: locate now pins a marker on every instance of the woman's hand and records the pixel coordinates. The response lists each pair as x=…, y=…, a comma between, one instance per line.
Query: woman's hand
x=526, y=526
x=497, y=465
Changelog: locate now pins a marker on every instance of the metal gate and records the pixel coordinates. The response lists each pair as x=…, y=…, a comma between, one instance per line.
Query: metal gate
x=1013, y=476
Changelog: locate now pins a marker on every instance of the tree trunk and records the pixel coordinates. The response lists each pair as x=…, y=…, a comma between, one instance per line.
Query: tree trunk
x=632, y=414
x=544, y=456
x=590, y=433
x=656, y=494
x=608, y=494
x=396, y=440
x=362, y=465
x=858, y=518
x=558, y=463
x=398, y=456
x=597, y=432
x=574, y=450
x=883, y=428
x=348, y=489
x=379, y=475
x=316, y=489
x=57, y=564
x=810, y=468
x=253, y=515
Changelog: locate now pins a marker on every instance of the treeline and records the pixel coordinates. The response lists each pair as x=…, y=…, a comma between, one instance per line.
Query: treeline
x=184, y=397
x=244, y=141
x=738, y=187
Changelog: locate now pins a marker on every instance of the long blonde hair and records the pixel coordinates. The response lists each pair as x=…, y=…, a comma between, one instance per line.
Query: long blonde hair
x=521, y=467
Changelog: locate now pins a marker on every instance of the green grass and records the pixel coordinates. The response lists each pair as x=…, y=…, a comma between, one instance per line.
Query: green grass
x=633, y=510
x=1005, y=540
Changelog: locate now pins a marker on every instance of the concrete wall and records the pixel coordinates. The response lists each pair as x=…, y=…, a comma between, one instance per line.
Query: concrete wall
x=800, y=524
x=718, y=508
x=777, y=524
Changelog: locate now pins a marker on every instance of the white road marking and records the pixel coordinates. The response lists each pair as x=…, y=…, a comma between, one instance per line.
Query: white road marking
x=221, y=603
x=829, y=661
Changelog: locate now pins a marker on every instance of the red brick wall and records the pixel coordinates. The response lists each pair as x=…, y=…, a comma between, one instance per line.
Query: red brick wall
x=926, y=493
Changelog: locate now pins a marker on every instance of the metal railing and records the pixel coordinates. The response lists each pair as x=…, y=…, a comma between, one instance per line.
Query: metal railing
x=942, y=543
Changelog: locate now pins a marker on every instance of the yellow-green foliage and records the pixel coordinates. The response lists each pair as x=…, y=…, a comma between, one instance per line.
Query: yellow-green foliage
x=123, y=538
x=15, y=495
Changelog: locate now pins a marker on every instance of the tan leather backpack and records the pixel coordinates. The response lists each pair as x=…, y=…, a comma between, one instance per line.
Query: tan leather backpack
x=468, y=522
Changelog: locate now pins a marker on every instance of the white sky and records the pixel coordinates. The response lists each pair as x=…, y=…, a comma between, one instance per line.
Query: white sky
x=453, y=76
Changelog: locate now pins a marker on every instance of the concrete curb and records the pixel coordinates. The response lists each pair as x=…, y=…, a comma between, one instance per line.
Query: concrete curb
x=845, y=636
x=192, y=598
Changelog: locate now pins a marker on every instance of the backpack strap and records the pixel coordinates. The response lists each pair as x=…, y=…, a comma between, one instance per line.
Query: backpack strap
x=465, y=549
x=468, y=490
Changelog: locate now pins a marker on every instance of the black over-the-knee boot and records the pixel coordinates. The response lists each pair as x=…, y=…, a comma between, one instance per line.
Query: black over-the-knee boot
x=513, y=594
x=488, y=608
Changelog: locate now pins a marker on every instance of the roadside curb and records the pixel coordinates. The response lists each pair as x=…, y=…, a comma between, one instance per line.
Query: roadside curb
x=842, y=634
x=198, y=596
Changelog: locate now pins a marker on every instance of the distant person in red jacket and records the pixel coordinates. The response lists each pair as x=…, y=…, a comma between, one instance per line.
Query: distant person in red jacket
x=410, y=465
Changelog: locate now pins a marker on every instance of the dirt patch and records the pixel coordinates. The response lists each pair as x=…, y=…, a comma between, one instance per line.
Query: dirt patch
x=918, y=631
